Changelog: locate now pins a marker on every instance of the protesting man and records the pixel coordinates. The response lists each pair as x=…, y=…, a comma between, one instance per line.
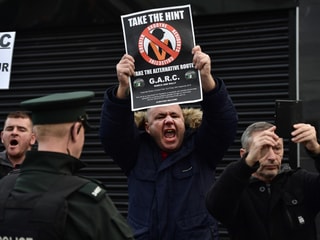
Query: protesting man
x=169, y=165
x=17, y=137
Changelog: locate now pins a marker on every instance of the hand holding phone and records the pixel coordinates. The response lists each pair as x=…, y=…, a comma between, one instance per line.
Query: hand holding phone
x=288, y=113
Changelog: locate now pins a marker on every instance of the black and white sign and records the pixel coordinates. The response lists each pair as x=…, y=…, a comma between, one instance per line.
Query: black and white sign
x=161, y=41
x=6, y=51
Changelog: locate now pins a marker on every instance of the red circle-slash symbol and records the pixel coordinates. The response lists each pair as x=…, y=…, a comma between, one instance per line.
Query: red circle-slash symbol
x=159, y=44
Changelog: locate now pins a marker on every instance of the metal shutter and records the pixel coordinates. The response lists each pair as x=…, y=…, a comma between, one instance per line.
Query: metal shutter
x=253, y=52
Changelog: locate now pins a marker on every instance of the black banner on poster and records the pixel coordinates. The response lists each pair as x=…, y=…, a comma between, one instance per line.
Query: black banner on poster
x=161, y=41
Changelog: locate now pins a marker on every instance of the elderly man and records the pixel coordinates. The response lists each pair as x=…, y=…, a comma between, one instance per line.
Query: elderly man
x=258, y=198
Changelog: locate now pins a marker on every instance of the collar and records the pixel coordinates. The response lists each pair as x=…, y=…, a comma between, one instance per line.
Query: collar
x=54, y=162
x=284, y=168
x=4, y=160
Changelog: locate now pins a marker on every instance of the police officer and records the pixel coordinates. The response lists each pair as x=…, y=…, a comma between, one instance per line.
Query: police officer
x=47, y=200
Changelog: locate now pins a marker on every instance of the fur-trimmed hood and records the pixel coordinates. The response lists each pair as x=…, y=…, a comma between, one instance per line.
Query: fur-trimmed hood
x=192, y=117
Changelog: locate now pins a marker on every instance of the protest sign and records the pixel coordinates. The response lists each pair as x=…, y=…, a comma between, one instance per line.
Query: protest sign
x=6, y=52
x=161, y=41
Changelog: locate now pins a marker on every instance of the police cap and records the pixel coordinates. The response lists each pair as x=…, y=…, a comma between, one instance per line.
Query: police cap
x=59, y=108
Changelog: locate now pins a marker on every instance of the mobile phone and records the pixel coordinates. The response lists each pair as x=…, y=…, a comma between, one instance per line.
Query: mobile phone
x=287, y=113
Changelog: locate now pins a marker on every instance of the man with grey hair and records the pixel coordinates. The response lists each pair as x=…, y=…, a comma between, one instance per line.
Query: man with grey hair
x=256, y=198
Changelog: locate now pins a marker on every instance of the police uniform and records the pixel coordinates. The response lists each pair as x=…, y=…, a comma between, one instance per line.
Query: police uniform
x=47, y=200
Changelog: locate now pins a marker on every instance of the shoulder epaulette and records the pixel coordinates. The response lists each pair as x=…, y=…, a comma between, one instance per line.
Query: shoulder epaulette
x=93, y=190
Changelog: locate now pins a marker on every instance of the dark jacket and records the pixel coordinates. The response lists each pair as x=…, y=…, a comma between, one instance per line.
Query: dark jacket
x=5, y=164
x=285, y=209
x=90, y=212
x=167, y=197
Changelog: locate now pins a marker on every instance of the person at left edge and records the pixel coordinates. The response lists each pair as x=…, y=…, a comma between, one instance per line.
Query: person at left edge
x=169, y=166
x=47, y=200
x=17, y=138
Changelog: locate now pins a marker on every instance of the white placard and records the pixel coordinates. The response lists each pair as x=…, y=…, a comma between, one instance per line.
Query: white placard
x=6, y=51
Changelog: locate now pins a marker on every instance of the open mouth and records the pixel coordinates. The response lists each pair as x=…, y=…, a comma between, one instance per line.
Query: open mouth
x=169, y=133
x=13, y=142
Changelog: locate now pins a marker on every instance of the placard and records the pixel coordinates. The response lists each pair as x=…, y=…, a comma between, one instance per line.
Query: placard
x=6, y=51
x=161, y=42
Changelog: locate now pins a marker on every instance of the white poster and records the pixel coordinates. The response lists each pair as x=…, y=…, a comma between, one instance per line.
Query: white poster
x=6, y=52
